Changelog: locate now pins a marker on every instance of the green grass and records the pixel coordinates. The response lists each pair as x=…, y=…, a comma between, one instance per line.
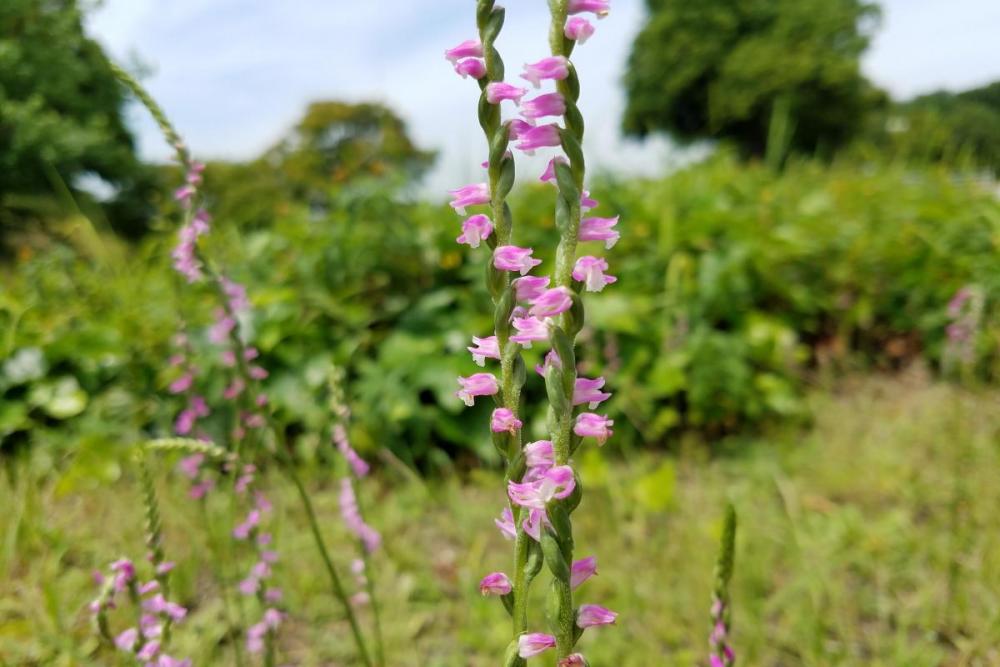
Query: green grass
x=872, y=538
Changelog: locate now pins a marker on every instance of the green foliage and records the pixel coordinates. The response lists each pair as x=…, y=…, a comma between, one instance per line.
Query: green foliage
x=734, y=284
x=728, y=68
x=336, y=147
x=958, y=129
x=60, y=117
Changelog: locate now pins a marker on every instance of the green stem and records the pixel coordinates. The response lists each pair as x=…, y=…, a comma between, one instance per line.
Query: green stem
x=226, y=579
x=336, y=585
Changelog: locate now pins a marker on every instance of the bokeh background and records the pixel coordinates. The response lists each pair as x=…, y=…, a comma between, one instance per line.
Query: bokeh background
x=805, y=322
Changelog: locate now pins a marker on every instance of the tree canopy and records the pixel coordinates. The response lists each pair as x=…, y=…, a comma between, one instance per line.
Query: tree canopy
x=60, y=110
x=722, y=68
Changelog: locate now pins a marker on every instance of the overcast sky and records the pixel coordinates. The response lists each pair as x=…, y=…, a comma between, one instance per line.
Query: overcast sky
x=235, y=74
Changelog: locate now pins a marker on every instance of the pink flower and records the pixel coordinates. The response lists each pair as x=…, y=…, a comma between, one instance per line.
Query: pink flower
x=551, y=359
x=189, y=466
x=534, y=522
x=220, y=331
x=504, y=420
x=538, y=137
x=242, y=531
x=498, y=91
x=599, y=229
x=470, y=48
x=234, y=389
x=517, y=127
x=349, y=511
x=578, y=29
x=126, y=640
x=185, y=256
x=181, y=384
x=496, y=583
x=586, y=203
x=552, y=302
x=249, y=586
x=530, y=288
x=475, y=229
x=148, y=651
x=529, y=329
x=555, y=483
x=590, y=615
x=550, y=104
x=477, y=384
x=514, y=258
x=573, y=660
x=589, y=391
x=599, y=7
x=593, y=425
x=549, y=175
x=483, y=348
x=534, y=643
x=258, y=373
x=550, y=67
x=470, y=195
x=590, y=270
x=149, y=587
x=473, y=67
x=506, y=524
x=582, y=570
x=539, y=454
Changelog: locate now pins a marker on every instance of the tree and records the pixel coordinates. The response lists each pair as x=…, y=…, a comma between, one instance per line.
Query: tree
x=723, y=68
x=60, y=114
x=335, y=145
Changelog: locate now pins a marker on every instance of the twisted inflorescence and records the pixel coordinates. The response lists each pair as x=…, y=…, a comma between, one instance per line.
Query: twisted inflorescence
x=542, y=488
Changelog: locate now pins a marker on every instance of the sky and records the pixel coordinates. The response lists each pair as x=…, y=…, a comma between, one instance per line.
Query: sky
x=235, y=75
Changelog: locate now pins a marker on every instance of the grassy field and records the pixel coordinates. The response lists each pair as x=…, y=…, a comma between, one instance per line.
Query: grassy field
x=872, y=538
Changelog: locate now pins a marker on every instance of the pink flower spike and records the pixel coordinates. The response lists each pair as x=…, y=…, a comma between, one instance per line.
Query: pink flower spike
x=514, y=258
x=578, y=29
x=589, y=392
x=552, y=302
x=498, y=91
x=550, y=67
x=496, y=583
x=593, y=425
x=590, y=615
x=483, y=348
x=504, y=420
x=529, y=330
x=542, y=136
x=539, y=454
x=470, y=48
x=506, y=524
x=473, y=67
x=600, y=8
x=477, y=384
x=530, y=288
x=475, y=230
x=590, y=270
x=582, y=570
x=599, y=229
x=549, y=175
x=549, y=104
x=534, y=643
x=470, y=195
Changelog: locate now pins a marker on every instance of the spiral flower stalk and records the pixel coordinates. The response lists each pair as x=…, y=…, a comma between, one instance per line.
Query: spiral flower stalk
x=252, y=417
x=722, y=654
x=542, y=488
